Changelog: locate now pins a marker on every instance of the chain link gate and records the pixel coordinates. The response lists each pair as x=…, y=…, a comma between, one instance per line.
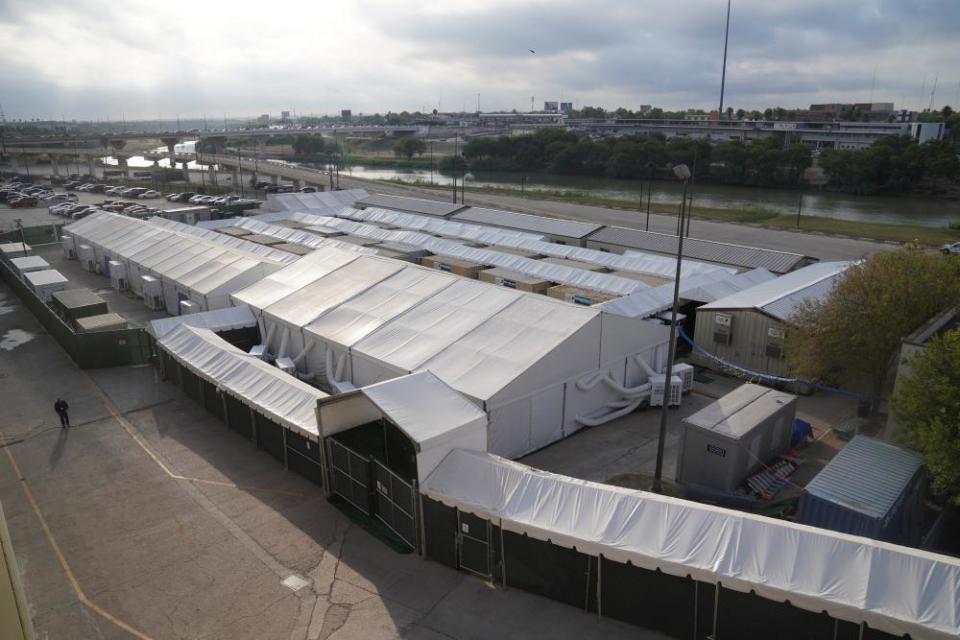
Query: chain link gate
x=350, y=475
x=396, y=503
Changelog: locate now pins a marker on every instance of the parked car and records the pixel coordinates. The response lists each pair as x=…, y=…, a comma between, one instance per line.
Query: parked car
x=172, y=197
x=308, y=189
x=99, y=188
x=113, y=191
x=149, y=194
x=950, y=248
x=70, y=185
x=23, y=202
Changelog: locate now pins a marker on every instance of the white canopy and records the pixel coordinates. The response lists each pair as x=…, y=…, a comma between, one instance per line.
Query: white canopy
x=217, y=320
x=895, y=589
x=277, y=395
x=280, y=284
x=435, y=417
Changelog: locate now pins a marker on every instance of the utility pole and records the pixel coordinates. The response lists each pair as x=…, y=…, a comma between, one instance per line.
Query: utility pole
x=683, y=173
x=799, y=208
x=649, y=189
x=723, y=74
x=456, y=154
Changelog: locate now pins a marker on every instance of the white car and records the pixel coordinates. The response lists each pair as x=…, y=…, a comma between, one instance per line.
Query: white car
x=149, y=195
x=952, y=247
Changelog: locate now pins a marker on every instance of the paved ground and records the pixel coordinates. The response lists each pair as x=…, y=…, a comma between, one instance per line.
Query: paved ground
x=628, y=445
x=150, y=520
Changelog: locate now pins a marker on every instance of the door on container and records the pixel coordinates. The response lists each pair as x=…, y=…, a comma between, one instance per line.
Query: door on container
x=473, y=542
x=396, y=503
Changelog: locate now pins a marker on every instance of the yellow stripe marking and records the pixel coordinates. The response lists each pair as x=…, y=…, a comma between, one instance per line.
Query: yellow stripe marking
x=81, y=596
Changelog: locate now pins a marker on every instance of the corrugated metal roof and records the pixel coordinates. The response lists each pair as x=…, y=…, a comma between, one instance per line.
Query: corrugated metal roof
x=781, y=297
x=527, y=222
x=867, y=476
x=410, y=205
x=695, y=248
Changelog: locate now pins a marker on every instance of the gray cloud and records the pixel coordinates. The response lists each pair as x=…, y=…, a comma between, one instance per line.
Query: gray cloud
x=94, y=58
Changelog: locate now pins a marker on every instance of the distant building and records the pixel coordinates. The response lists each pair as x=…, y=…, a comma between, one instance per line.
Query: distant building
x=697, y=117
x=644, y=108
x=264, y=118
x=861, y=111
x=551, y=106
x=346, y=114
x=285, y=116
x=566, y=107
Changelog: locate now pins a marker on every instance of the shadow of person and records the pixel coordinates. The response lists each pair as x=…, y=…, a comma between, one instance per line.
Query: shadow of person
x=59, y=447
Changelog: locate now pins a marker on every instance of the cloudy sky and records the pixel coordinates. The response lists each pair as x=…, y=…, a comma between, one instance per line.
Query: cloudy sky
x=147, y=59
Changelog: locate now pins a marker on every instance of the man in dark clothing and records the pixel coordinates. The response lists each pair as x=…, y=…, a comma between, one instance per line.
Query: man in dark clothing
x=61, y=407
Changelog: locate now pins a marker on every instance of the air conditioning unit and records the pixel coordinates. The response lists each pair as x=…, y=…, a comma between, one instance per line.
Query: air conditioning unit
x=286, y=365
x=91, y=266
x=658, y=389
x=97, y=268
x=259, y=351
x=685, y=372
x=120, y=284
x=69, y=247
x=154, y=302
x=722, y=328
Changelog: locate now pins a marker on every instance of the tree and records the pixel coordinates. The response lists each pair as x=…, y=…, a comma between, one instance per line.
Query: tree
x=926, y=404
x=304, y=145
x=409, y=146
x=851, y=338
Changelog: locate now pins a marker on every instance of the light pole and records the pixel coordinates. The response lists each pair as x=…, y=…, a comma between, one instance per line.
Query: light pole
x=431, y=163
x=239, y=162
x=683, y=173
x=799, y=208
x=23, y=241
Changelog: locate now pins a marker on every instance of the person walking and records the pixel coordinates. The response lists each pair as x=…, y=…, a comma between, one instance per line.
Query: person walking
x=61, y=407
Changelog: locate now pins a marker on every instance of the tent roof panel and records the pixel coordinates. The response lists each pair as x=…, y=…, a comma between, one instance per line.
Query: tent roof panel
x=217, y=320
x=282, y=283
x=410, y=205
x=527, y=222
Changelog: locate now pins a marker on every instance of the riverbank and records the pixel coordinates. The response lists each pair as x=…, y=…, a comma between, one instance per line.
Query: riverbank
x=754, y=216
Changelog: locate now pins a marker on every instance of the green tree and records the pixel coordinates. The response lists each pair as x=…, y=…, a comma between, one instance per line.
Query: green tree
x=304, y=145
x=409, y=146
x=926, y=404
x=852, y=337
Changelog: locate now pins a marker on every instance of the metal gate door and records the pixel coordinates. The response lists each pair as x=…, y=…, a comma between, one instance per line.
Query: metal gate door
x=350, y=475
x=473, y=541
x=396, y=500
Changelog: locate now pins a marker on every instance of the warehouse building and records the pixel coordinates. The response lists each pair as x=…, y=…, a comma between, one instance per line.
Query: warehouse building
x=747, y=329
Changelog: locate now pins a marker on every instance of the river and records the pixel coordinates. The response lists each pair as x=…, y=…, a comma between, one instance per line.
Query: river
x=891, y=210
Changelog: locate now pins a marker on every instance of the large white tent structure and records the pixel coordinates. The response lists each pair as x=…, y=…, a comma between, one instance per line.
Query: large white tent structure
x=348, y=320
x=188, y=267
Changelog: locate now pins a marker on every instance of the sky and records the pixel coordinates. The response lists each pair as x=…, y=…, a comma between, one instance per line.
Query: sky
x=103, y=59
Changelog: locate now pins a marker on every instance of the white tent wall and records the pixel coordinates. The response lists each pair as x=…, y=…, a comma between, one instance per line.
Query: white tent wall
x=527, y=424
x=366, y=370
x=286, y=281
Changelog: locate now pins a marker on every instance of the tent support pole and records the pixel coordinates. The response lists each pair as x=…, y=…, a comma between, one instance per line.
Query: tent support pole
x=283, y=435
x=421, y=527
x=599, y=587
x=503, y=559
x=860, y=636
x=324, y=464
x=226, y=414
x=716, y=611
x=836, y=629
x=696, y=607
x=253, y=429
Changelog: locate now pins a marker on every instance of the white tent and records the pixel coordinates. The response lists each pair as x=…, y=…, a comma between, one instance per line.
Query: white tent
x=218, y=320
x=436, y=418
x=277, y=395
x=895, y=589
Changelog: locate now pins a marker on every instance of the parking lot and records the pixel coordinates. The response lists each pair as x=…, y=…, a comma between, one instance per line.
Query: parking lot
x=149, y=519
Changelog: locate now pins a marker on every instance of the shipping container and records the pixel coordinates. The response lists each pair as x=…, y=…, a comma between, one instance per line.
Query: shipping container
x=12, y=250
x=102, y=322
x=26, y=264
x=575, y=264
x=260, y=238
x=514, y=280
x=463, y=268
x=72, y=304
x=578, y=295
x=296, y=249
x=236, y=232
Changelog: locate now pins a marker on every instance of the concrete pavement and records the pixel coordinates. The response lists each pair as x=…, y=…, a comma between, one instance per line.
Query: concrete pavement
x=149, y=519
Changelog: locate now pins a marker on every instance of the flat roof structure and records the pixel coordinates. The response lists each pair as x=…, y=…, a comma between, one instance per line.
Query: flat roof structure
x=557, y=227
x=410, y=205
x=697, y=249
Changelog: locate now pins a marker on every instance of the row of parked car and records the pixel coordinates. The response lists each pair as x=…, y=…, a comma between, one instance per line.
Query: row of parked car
x=123, y=192
x=190, y=197
x=23, y=194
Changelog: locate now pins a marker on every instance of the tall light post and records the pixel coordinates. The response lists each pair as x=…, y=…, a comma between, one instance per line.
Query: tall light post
x=682, y=172
x=23, y=241
x=431, y=163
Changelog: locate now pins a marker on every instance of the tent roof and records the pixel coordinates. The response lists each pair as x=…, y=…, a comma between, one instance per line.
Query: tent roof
x=318, y=201
x=781, y=297
x=867, y=476
x=439, y=413
x=894, y=589
x=527, y=222
x=412, y=205
x=740, y=411
x=281, y=397
x=284, y=282
x=217, y=320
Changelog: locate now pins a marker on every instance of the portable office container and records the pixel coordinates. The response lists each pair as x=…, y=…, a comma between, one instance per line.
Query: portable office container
x=870, y=488
x=514, y=280
x=45, y=283
x=27, y=264
x=357, y=240
x=236, y=232
x=72, y=304
x=523, y=253
x=729, y=439
x=296, y=249
x=653, y=281
x=574, y=264
x=402, y=251
x=102, y=322
x=260, y=238
x=12, y=250
x=577, y=295
x=463, y=268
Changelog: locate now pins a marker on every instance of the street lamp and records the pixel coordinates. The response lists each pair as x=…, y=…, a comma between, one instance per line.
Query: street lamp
x=682, y=172
x=23, y=240
x=431, y=163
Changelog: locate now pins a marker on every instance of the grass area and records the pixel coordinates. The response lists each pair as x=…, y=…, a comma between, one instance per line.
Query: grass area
x=931, y=236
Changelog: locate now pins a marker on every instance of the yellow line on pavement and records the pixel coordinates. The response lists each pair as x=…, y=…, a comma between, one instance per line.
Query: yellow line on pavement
x=131, y=431
x=81, y=596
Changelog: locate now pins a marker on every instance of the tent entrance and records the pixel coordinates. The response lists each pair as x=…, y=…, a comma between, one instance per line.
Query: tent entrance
x=349, y=475
x=396, y=503
x=473, y=542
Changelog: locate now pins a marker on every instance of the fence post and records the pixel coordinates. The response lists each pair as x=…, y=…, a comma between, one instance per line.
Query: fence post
x=716, y=612
x=503, y=558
